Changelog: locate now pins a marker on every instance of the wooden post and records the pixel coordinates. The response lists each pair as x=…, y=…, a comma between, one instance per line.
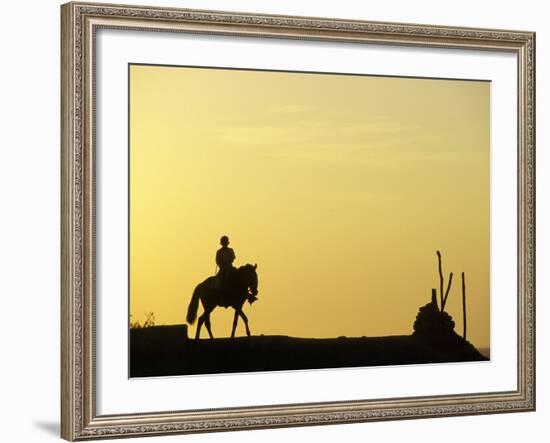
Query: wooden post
x=440, y=278
x=442, y=295
x=464, y=305
x=434, y=297
x=447, y=291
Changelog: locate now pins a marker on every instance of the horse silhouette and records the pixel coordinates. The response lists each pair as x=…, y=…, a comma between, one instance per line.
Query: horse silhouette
x=241, y=285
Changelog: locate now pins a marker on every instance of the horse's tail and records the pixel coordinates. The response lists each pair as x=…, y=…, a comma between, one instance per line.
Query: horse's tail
x=193, y=306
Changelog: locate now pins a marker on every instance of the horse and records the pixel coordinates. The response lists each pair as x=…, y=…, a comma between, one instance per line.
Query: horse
x=240, y=286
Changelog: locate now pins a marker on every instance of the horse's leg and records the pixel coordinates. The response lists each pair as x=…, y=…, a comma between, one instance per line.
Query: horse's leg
x=241, y=313
x=207, y=323
x=199, y=325
x=235, y=319
x=202, y=319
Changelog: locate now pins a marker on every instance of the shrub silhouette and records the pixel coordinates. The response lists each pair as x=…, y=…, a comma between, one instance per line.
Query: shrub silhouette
x=149, y=322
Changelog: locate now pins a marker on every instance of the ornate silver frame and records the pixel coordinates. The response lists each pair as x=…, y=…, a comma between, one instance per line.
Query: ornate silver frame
x=80, y=21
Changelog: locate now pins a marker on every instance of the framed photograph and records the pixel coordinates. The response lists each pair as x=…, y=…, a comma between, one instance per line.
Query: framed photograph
x=282, y=221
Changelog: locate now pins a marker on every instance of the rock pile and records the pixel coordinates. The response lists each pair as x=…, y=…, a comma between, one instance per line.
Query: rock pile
x=433, y=324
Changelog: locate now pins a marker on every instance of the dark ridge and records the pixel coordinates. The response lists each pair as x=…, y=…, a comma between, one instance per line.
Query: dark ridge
x=167, y=351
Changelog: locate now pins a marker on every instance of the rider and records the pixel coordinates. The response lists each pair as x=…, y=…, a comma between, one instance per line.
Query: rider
x=224, y=259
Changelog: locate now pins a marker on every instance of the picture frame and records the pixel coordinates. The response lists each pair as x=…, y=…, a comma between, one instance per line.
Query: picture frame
x=80, y=177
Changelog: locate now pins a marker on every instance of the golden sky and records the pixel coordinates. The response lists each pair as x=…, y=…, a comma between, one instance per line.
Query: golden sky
x=340, y=187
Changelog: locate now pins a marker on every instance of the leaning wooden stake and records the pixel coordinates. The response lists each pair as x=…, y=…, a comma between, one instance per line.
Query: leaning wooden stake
x=440, y=278
x=447, y=291
x=442, y=296
x=464, y=305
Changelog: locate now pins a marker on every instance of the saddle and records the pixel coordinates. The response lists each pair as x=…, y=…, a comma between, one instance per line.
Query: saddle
x=221, y=283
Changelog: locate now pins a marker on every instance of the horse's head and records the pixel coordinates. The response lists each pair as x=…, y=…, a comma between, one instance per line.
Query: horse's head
x=250, y=278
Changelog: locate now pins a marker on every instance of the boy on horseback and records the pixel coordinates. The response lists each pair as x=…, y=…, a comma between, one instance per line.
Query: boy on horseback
x=225, y=256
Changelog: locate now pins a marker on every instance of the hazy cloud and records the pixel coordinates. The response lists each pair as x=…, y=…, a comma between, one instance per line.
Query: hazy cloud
x=291, y=109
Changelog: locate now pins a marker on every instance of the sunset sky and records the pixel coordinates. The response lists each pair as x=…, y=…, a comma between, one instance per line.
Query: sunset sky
x=340, y=187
